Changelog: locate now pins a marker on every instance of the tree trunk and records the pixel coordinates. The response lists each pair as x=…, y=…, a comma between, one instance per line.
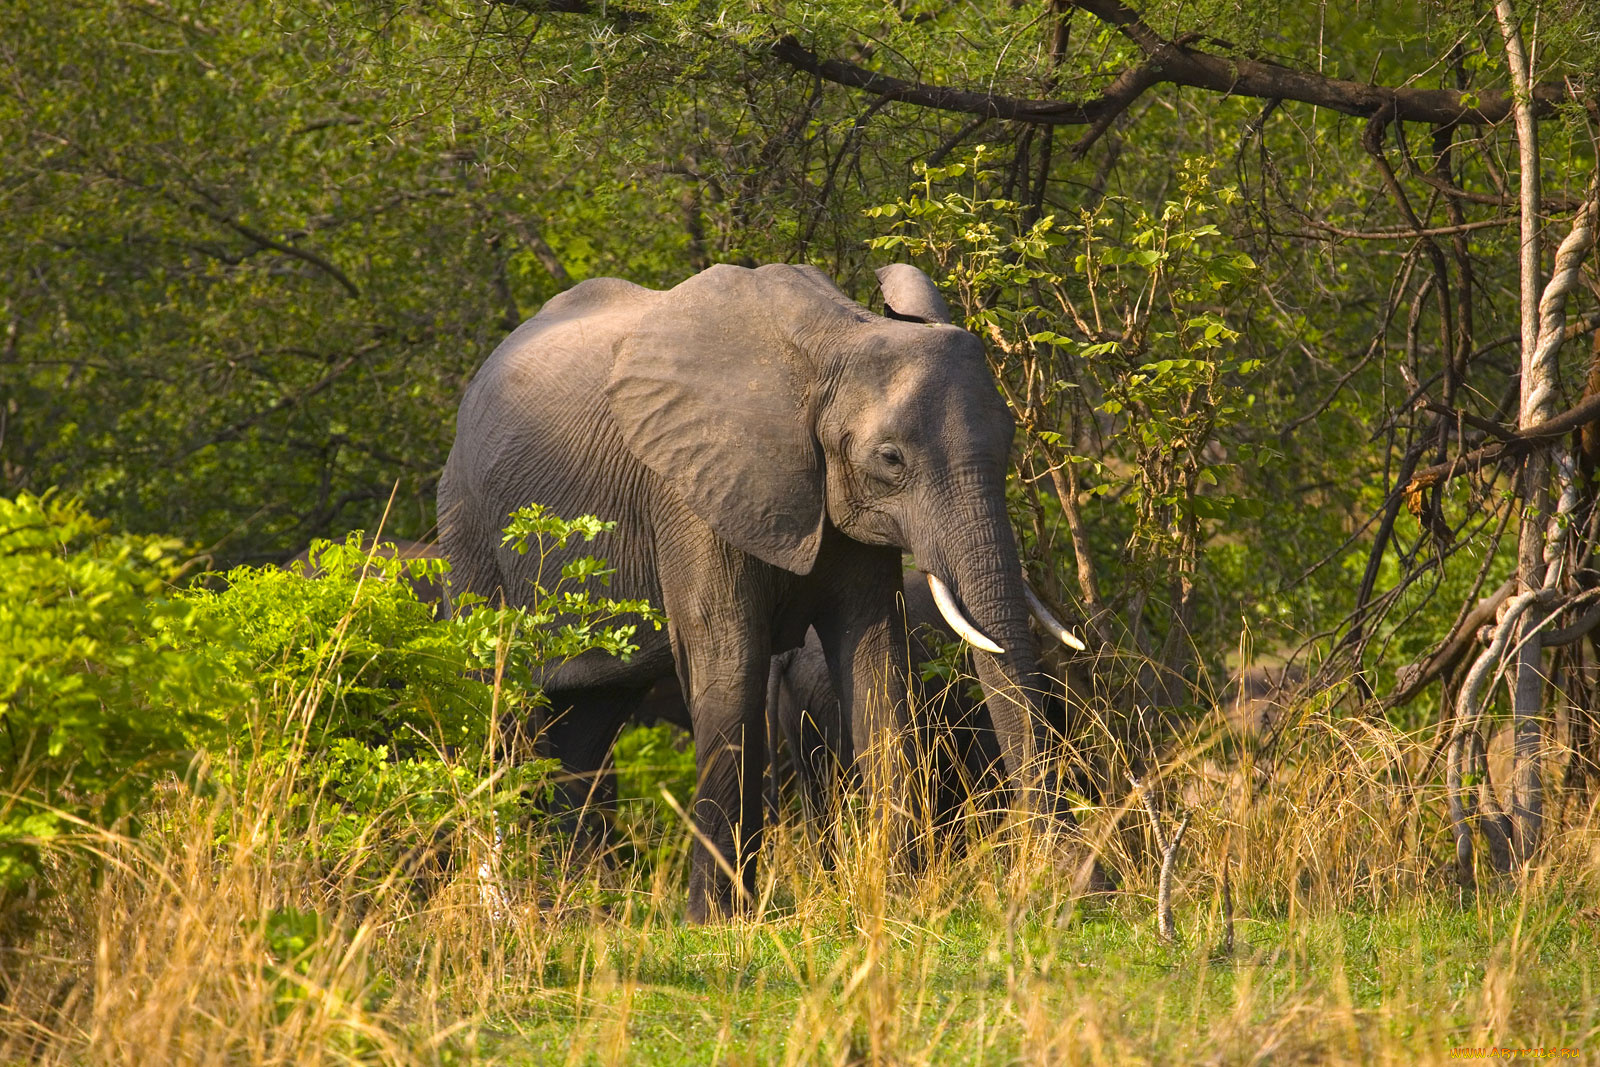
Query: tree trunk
x=1538, y=404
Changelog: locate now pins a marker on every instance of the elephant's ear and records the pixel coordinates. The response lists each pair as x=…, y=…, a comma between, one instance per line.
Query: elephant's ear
x=910, y=295
x=712, y=394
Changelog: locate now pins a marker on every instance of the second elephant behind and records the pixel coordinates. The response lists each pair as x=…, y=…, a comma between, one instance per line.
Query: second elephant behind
x=959, y=752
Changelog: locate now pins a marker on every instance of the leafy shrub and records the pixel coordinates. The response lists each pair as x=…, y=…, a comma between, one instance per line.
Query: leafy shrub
x=355, y=650
x=105, y=683
x=564, y=621
x=373, y=718
x=1108, y=332
x=654, y=762
x=343, y=699
x=384, y=719
x=652, y=758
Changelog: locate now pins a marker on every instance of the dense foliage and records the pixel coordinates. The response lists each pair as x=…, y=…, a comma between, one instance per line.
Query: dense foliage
x=382, y=725
x=377, y=719
x=258, y=251
x=101, y=689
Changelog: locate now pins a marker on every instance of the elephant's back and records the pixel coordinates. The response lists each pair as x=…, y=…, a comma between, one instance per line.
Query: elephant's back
x=534, y=427
x=556, y=359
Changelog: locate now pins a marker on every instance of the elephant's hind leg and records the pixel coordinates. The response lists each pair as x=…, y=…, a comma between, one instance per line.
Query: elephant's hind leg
x=580, y=734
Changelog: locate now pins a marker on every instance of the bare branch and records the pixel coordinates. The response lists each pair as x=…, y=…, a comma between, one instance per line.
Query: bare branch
x=1119, y=96
x=1169, y=864
x=1550, y=203
x=1568, y=634
x=1406, y=234
x=261, y=240
x=1415, y=677
x=541, y=250
x=1174, y=62
x=1514, y=445
x=1149, y=802
x=607, y=11
x=942, y=98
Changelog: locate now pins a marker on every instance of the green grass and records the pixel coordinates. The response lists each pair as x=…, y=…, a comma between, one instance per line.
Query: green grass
x=1091, y=985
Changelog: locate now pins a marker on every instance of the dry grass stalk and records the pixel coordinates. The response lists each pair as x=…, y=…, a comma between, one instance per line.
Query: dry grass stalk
x=985, y=954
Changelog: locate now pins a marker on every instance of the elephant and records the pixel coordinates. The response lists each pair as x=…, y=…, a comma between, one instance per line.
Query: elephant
x=808, y=741
x=960, y=752
x=766, y=448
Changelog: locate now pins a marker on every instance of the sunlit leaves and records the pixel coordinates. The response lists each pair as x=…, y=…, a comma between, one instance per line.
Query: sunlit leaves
x=1111, y=326
x=101, y=689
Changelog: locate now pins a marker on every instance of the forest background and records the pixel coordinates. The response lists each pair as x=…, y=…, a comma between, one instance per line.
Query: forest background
x=1296, y=306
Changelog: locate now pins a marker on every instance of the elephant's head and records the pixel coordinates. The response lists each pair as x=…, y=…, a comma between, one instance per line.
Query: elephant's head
x=774, y=404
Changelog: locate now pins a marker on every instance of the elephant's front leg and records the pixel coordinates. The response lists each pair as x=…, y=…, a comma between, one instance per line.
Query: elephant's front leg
x=720, y=617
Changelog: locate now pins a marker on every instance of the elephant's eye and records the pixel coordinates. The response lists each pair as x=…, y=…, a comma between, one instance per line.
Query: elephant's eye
x=891, y=457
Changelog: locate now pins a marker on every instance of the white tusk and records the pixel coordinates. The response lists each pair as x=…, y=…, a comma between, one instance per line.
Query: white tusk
x=958, y=622
x=1050, y=622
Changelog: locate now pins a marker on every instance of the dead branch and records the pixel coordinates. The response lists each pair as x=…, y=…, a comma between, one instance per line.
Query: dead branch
x=1466, y=748
x=1514, y=446
x=1319, y=227
x=1169, y=864
x=1149, y=802
x=1568, y=634
x=1415, y=677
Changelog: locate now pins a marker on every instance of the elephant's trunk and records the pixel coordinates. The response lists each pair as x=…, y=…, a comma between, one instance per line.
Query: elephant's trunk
x=1011, y=683
x=985, y=577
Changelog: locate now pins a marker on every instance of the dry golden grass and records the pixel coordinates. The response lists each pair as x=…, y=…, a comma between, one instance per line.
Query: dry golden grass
x=1352, y=941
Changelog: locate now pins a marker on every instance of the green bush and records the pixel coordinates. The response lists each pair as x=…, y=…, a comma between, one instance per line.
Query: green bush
x=343, y=700
x=355, y=651
x=652, y=758
x=383, y=720
x=104, y=683
x=373, y=719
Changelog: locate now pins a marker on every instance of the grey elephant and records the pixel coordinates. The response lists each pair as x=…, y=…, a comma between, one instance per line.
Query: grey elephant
x=767, y=448
x=959, y=752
